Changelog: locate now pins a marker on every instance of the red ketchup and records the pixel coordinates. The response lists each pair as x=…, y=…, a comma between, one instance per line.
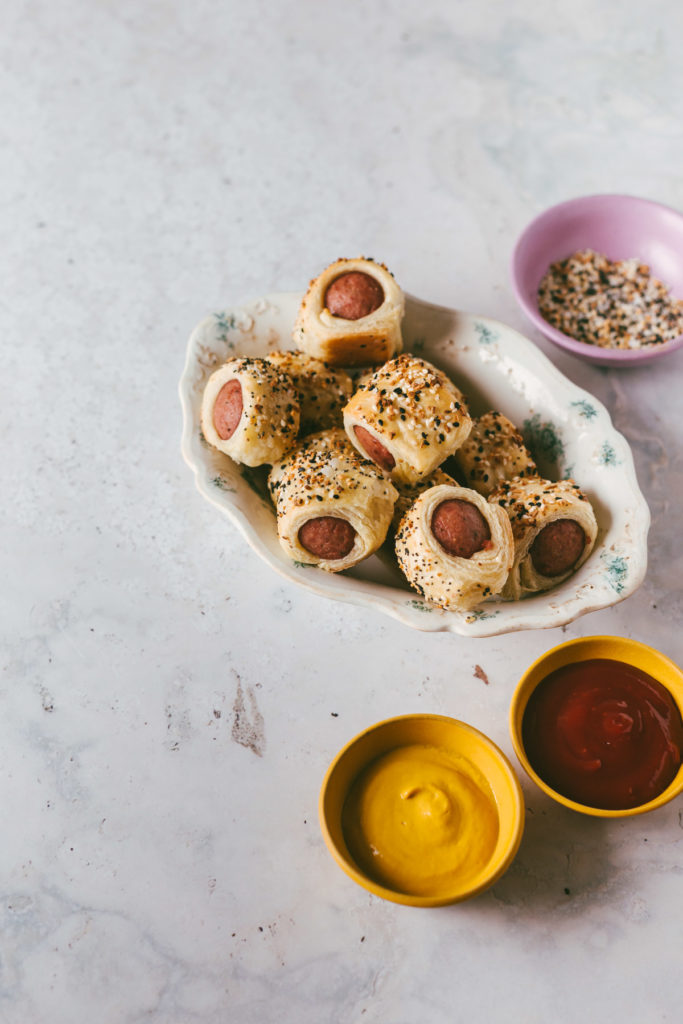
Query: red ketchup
x=603, y=733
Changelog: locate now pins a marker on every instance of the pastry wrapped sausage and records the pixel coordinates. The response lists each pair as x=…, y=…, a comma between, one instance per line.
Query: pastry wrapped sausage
x=454, y=547
x=333, y=439
x=407, y=493
x=351, y=315
x=333, y=507
x=250, y=411
x=494, y=451
x=323, y=391
x=407, y=418
x=554, y=530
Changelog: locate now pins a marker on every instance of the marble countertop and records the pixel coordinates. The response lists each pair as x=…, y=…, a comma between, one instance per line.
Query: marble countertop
x=169, y=705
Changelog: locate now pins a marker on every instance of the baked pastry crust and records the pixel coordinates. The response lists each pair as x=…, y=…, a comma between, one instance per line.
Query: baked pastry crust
x=339, y=342
x=531, y=504
x=269, y=423
x=333, y=439
x=323, y=390
x=451, y=582
x=494, y=452
x=325, y=476
x=407, y=493
x=414, y=411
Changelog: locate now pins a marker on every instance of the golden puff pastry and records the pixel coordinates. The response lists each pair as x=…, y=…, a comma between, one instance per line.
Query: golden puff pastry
x=554, y=530
x=250, y=411
x=408, y=417
x=454, y=547
x=323, y=390
x=494, y=451
x=351, y=315
x=333, y=439
x=407, y=493
x=333, y=507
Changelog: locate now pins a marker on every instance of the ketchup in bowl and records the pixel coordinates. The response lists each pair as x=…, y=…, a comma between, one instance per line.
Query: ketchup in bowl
x=603, y=733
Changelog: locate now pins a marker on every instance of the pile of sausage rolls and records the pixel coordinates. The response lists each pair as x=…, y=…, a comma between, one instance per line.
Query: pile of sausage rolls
x=396, y=456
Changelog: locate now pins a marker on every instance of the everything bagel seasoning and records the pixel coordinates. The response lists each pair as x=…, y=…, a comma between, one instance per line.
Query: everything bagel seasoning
x=611, y=305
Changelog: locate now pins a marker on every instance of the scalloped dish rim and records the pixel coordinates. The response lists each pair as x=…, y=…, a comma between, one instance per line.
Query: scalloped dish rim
x=616, y=567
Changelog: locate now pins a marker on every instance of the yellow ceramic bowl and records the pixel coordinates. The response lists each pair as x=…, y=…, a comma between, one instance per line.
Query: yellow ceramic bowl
x=617, y=648
x=392, y=737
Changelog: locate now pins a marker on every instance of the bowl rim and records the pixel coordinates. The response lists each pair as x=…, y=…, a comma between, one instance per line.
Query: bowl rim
x=606, y=356
x=486, y=880
x=525, y=687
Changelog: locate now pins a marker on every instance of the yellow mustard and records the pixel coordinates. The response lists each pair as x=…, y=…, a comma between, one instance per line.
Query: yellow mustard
x=420, y=817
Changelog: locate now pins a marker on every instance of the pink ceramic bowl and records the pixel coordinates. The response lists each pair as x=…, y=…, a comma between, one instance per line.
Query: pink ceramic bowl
x=619, y=226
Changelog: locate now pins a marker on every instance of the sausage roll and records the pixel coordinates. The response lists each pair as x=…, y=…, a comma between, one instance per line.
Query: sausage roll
x=351, y=315
x=494, y=451
x=323, y=390
x=250, y=411
x=454, y=547
x=333, y=507
x=407, y=493
x=407, y=418
x=554, y=530
x=334, y=439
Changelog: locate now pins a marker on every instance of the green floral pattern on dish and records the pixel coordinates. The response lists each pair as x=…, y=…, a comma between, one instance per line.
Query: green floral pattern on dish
x=585, y=409
x=224, y=324
x=543, y=439
x=480, y=615
x=222, y=484
x=420, y=605
x=486, y=335
x=617, y=571
x=607, y=456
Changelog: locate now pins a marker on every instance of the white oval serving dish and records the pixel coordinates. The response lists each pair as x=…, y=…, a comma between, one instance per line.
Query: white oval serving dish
x=569, y=431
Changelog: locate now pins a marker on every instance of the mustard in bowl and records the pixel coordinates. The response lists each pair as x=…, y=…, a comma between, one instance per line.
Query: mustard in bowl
x=422, y=810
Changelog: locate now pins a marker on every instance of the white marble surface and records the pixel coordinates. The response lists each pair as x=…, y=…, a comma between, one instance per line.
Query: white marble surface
x=168, y=705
